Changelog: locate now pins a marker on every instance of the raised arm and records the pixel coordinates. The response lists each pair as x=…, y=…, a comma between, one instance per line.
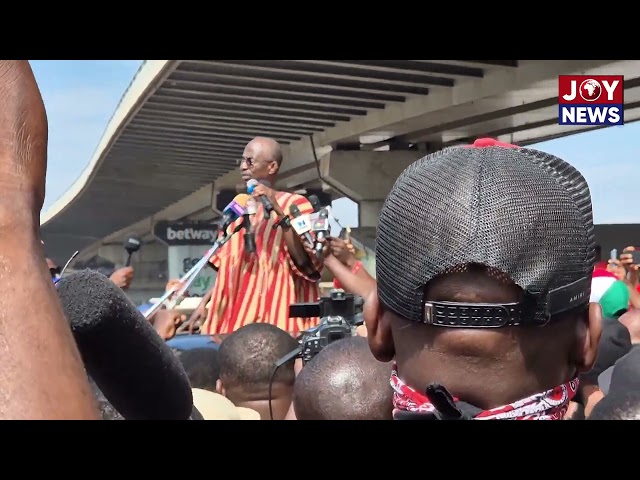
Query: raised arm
x=41, y=373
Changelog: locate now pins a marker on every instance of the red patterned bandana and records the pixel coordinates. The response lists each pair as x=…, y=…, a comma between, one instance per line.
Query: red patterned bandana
x=549, y=405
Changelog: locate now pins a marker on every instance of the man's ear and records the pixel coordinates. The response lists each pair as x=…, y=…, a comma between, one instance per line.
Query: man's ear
x=273, y=168
x=591, y=340
x=378, y=325
x=220, y=388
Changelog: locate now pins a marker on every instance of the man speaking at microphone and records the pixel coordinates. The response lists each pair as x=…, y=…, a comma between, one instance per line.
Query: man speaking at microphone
x=260, y=286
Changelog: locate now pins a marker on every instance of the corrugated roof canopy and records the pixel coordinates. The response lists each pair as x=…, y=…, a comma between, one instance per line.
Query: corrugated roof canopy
x=193, y=119
x=183, y=124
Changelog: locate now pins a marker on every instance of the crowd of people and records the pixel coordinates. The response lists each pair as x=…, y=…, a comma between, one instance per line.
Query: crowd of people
x=490, y=299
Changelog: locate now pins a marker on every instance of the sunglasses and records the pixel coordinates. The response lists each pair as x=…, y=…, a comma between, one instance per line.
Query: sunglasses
x=249, y=161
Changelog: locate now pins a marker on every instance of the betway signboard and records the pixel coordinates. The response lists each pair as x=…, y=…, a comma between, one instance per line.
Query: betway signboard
x=181, y=258
x=184, y=234
x=188, y=242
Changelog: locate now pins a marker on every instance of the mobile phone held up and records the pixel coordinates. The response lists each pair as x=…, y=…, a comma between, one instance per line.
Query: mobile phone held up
x=614, y=257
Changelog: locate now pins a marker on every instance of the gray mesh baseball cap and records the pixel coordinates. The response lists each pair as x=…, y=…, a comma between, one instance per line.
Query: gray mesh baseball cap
x=523, y=213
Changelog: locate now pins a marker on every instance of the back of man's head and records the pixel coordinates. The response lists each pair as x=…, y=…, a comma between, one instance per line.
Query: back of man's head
x=618, y=406
x=344, y=382
x=247, y=361
x=484, y=258
x=201, y=366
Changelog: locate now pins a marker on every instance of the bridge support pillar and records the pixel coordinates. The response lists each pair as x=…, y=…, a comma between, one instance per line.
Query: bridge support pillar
x=367, y=177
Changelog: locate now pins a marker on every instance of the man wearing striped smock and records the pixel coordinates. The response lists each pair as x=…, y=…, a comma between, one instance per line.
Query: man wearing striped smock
x=260, y=286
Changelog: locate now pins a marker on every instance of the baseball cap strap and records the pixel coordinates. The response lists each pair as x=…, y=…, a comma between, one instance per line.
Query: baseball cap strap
x=494, y=315
x=563, y=299
x=474, y=315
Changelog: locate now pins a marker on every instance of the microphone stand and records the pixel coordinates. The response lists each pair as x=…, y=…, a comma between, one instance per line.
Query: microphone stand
x=190, y=276
x=249, y=238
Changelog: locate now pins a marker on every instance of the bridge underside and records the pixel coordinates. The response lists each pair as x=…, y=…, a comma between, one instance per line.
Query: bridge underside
x=188, y=124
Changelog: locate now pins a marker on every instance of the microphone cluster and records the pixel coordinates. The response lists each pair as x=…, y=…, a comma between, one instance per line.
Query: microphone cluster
x=312, y=228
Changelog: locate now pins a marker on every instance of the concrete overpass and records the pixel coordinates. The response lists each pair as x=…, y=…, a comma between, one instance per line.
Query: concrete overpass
x=180, y=128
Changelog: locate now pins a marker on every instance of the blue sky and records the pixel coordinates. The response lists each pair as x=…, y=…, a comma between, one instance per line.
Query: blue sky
x=81, y=95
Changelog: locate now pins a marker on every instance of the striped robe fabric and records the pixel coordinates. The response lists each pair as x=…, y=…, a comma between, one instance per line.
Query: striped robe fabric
x=259, y=287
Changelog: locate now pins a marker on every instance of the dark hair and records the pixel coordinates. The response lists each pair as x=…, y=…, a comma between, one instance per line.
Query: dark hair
x=247, y=357
x=201, y=366
x=622, y=406
x=344, y=382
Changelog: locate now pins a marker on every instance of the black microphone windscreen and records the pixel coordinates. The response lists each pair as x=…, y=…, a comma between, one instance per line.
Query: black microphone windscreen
x=315, y=203
x=134, y=368
x=132, y=244
x=294, y=211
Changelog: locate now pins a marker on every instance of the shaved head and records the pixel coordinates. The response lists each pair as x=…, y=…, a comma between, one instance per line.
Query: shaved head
x=267, y=149
x=344, y=382
x=261, y=160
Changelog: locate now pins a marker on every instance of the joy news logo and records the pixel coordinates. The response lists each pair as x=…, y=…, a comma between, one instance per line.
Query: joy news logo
x=591, y=100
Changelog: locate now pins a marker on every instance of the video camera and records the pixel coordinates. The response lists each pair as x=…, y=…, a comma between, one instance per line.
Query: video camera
x=340, y=313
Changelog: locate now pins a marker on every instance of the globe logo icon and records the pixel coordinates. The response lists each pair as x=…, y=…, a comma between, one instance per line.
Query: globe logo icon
x=590, y=90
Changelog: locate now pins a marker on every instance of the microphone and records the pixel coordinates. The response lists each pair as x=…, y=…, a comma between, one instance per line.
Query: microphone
x=268, y=208
x=234, y=210
x=132, y=245
x=321, y=229
x=137, y=372
x=315, y=203
x=249, y=238
x=301, y=224
x=109, y=412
